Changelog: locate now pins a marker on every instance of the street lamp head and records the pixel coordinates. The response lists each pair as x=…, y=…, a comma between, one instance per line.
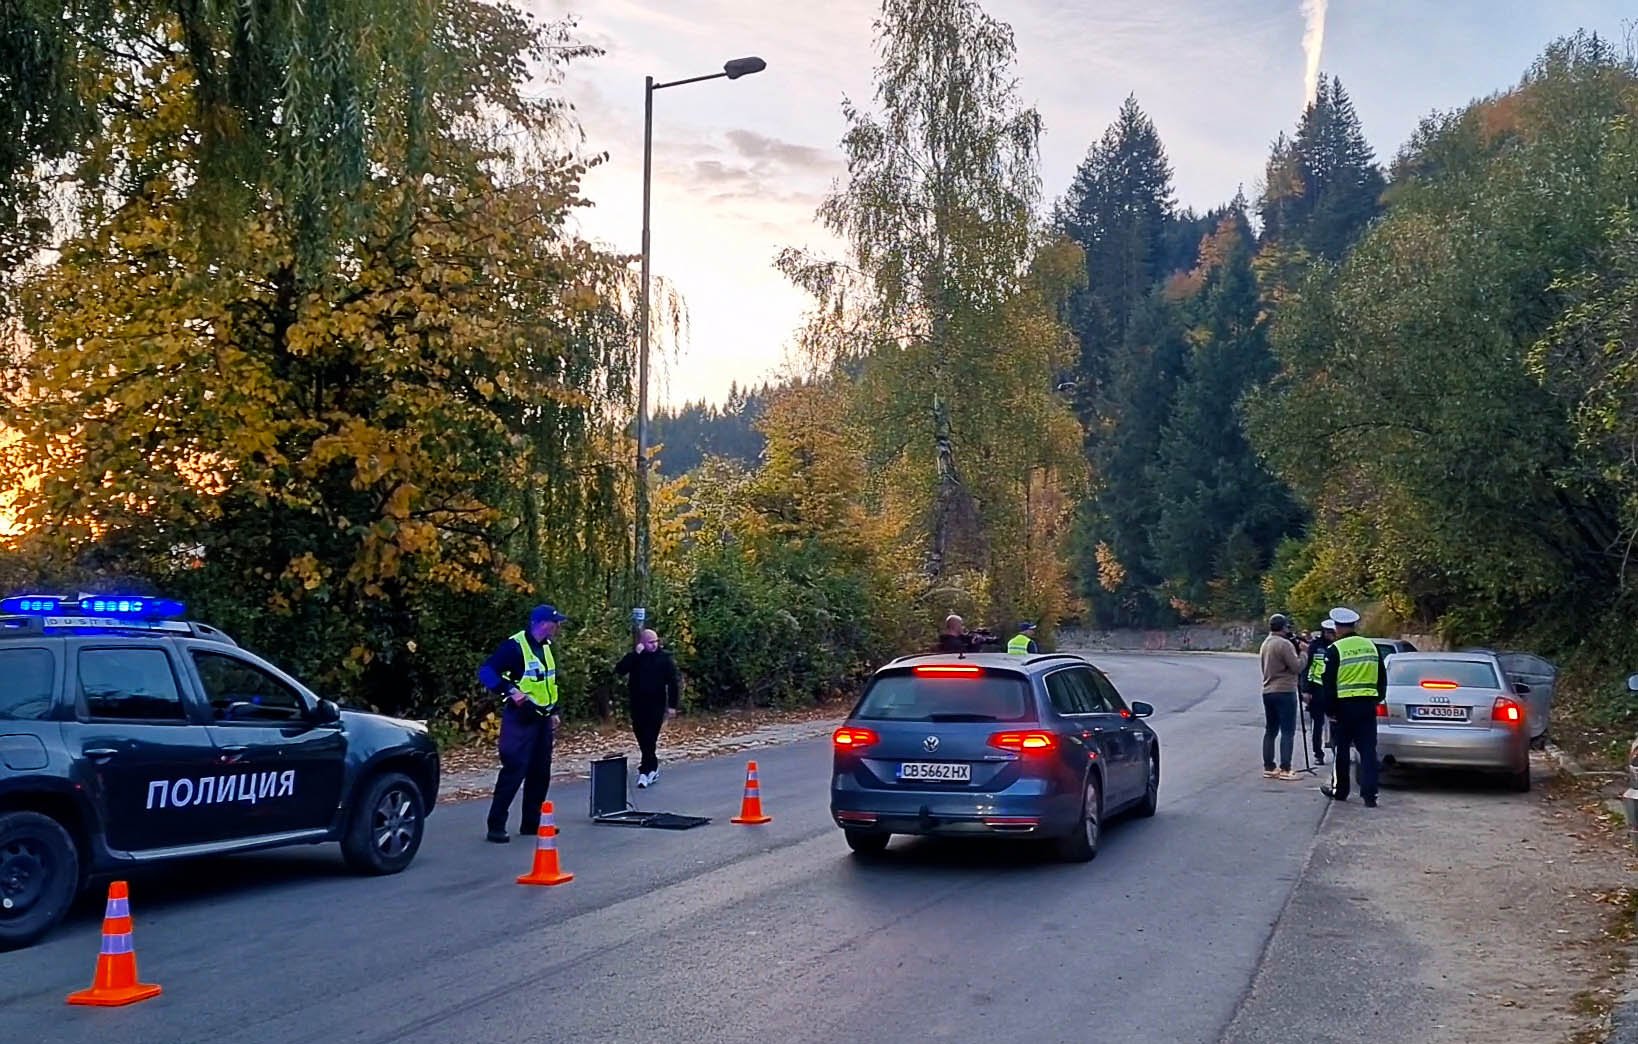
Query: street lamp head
x=744, y=67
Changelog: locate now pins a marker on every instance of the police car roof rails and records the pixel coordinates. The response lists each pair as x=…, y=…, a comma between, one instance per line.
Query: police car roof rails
x=209, y=633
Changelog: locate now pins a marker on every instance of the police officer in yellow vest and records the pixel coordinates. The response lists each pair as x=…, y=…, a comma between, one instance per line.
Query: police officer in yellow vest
x=1023, y=643
x=1313, y=685
x=1355, y=681
x=523, y=670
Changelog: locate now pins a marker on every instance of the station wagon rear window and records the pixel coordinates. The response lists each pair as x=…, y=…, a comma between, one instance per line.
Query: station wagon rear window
x=953, y=698
x=1464, y=674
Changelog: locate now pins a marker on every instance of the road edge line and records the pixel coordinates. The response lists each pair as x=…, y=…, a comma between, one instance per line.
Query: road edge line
x=1274, y=928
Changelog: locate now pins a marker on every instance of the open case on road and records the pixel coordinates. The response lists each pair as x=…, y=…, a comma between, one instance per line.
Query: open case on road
x=611, y=800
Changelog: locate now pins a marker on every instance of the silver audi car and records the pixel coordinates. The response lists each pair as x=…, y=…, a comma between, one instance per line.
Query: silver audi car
x=1455, y=710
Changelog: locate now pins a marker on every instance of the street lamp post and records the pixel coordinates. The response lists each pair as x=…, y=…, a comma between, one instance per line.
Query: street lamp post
x=732, y=71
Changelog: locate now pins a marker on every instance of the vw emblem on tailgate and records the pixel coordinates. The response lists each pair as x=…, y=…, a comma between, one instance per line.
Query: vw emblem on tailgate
x=930, y=744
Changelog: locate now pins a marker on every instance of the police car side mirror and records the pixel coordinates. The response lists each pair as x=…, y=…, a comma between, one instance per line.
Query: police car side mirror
x=326, y=713
x=1141, y=709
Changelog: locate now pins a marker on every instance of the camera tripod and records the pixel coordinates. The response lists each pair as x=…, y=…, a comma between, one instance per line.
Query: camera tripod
x=1304, y=735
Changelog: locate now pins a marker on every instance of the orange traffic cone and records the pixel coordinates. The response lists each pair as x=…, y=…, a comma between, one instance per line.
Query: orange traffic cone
x=546, y=871
x=750, y=809
x=116, y=981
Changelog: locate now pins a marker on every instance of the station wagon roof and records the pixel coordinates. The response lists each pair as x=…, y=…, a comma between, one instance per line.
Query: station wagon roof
x=991, y=660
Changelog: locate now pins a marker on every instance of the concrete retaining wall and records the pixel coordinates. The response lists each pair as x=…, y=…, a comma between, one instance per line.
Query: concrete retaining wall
x=1203, y=638
x=1240, y=637
x=1427, y=642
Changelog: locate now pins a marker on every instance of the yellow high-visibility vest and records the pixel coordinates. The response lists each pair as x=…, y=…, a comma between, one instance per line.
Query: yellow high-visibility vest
x=1358, y=668
x=539, y=681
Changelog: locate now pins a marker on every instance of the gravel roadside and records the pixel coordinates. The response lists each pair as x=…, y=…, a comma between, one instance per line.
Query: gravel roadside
x=1455, y=912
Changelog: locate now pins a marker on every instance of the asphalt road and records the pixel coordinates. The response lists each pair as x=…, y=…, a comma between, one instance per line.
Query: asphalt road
x=728, y=933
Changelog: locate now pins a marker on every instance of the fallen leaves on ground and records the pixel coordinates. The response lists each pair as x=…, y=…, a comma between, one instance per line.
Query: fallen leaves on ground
x=468, y=769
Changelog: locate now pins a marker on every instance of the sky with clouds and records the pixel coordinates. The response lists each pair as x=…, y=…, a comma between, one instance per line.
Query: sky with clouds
x=740, y=166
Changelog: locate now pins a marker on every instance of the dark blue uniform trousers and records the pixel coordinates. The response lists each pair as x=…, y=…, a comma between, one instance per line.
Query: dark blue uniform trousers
x=1355, y=726
x=526, y=761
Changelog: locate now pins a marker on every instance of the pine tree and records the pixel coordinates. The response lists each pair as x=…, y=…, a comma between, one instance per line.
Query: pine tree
x=1121, y=517
x=1322, y=186
x=1119, y=208
x=1220, y=514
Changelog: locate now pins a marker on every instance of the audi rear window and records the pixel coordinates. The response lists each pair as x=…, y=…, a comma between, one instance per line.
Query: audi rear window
x=1464, y=674
x=981, y=697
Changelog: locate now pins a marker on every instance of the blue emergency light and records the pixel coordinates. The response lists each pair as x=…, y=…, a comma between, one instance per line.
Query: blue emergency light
x=107, y=607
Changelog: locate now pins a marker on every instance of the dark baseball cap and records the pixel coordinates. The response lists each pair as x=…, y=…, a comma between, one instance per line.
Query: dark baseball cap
x=545, y=614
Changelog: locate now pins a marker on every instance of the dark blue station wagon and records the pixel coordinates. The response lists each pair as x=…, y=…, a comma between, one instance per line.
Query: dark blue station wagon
x=992, y=745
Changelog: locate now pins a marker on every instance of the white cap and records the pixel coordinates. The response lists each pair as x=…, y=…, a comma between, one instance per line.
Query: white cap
x=1344, y=616
x=1328, y=625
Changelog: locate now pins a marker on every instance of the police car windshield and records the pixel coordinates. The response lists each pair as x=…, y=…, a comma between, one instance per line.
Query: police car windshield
x=1464, y=674
x=954, y=698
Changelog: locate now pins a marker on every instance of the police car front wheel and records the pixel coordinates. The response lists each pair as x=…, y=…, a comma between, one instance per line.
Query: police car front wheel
x=39, y=875
x=384, y=830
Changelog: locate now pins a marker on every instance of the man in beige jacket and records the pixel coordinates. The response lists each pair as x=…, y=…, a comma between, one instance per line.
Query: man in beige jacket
x=1281, y=669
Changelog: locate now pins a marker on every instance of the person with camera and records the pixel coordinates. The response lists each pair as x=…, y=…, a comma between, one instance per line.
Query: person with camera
x=957, y=639
x=524, y=672
x=1281, y=665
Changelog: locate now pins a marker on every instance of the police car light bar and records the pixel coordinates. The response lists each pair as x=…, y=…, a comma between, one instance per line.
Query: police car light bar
x=105, y=607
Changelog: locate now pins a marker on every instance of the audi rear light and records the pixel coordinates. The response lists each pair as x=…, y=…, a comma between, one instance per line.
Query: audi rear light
x=1382, y=710
x=1026, y=741
x=850, y=738
x=947, y=670
x=1507, y=710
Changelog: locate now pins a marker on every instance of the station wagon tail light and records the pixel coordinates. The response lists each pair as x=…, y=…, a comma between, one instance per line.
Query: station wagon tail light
x=947, y=670
x=849, y=738
x=1025, y=741
x=1507, y=710
x=1440, y=685
x=1382, y=710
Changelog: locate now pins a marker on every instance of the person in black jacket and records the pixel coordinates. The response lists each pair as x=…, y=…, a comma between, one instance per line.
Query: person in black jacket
x=654, y=689
x=1313, y=687
x=955, y=637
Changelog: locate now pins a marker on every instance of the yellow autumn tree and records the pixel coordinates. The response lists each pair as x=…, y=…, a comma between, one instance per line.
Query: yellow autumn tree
x=357, y=461
x=943, y=318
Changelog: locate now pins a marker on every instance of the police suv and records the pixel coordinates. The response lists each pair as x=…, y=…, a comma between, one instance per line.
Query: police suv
x=129, y=736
